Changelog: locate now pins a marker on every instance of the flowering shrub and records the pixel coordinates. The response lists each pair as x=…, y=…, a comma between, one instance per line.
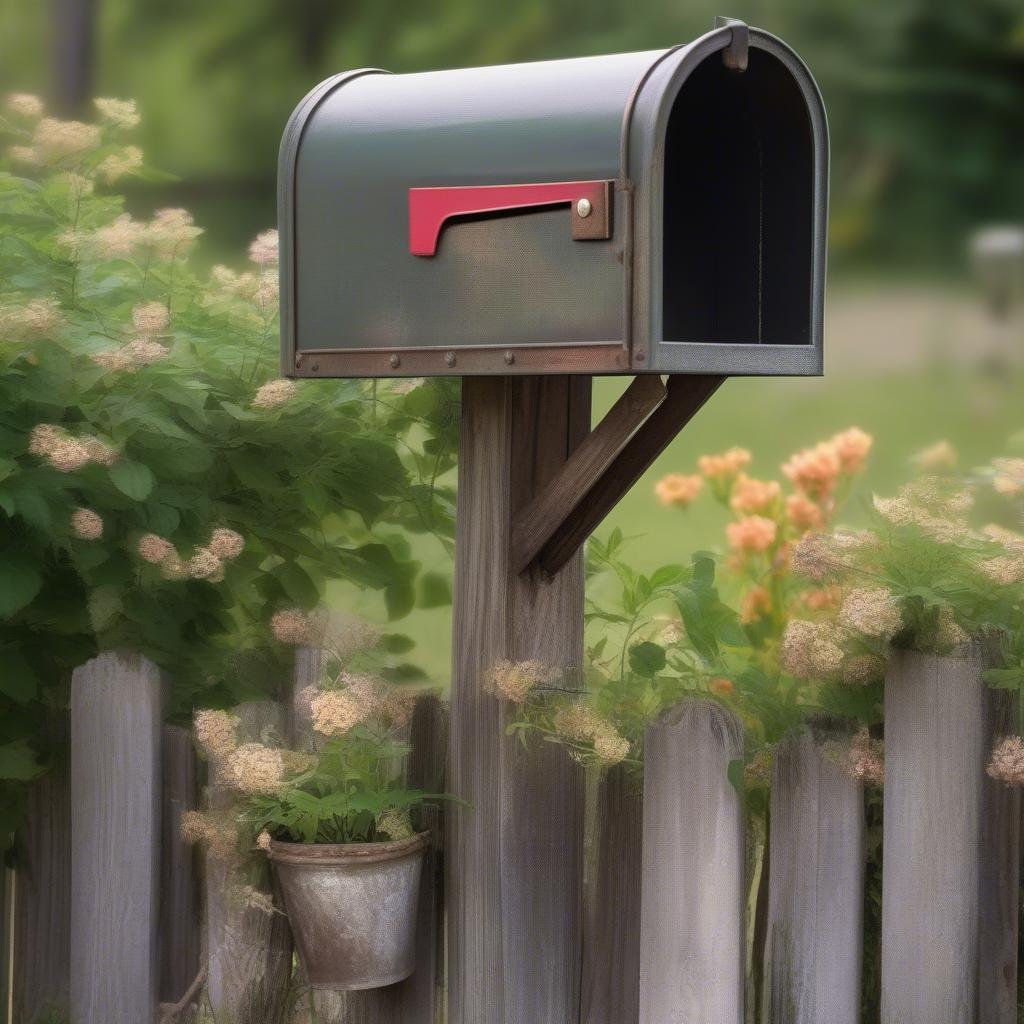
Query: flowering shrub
x=159, y=490
x=347, y=785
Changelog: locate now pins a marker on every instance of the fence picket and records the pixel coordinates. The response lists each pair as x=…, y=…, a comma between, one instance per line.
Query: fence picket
x=935, y=762
x=41, y=887
x=179, y=882
x=999, y=909
x=611, y=942
x=250, y=951
x=115, y=839
x=816, y=889
x=692, y=917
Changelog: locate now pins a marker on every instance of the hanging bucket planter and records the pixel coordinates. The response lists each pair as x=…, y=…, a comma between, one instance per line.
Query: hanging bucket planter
x=352, y=908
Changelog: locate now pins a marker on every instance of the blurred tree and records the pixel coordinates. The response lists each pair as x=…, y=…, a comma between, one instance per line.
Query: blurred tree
x=73, y=42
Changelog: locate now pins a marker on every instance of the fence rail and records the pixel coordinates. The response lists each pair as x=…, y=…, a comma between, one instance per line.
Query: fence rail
x=85, y=937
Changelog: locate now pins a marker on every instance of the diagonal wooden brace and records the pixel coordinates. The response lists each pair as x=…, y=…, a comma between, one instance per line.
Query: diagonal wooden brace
x=615, y=454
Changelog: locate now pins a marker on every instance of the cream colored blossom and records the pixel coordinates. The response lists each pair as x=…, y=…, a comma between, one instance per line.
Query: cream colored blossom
x=226, y=544
x=865, y=760
x=263, y=840
x=678, y=489
x=120, y=113
x=335, y=712
x=150, y=318
x=1010, y=539
x=173, y=567
x=121, y=239
x=39, y=318
x=346, y=635
x=724, y=466
x=239, y=285
x=23, y=104
x=940, y=457
x=948, y=632
x=1006, y=570
x=395, y=824
x=579, y=723
x=294, y=626
x=28, y=156
x=757, y=772
x=754, y=496
x=216, y=732
x=1007, y=763
x=811, y=650
x=153, y=548
x=752, y=534
x=516, y=680
x=254, y=769
x=818, y=556
x=114, y=167
x=252, y=898
x=267, y=292
x=171, y=233
x=398, y=706
x=815, y=471
x=274, y=393
x=263, y=249
x=873, y=612
x=1009, y=477
x=215, y=832
x=56, y=140
x=610, y=747
x=68, y=455
x=87, y=524
x=204, y=564
x=863, y=669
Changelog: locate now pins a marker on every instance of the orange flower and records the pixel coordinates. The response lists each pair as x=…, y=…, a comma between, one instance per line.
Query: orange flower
x=824, y=599
x=757, y=603
x=723, y=687
x=750, y=495
x=754, y=533
x=677, y=489
x=803, y=513
x=725, y=466
x=814, y=470
x=852, y=447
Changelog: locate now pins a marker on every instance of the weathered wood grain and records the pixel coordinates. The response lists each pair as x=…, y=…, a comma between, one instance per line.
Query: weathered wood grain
x=816, y=889
x=249, y=951
x=115, y=839
x=514, y=855
x=42, y=893
x=934, y=781
x=611, y=939
x=533, y=526
x=687, y=393
x=180, y=897
x=999, y=908
x=692, y=919
x=6, y=940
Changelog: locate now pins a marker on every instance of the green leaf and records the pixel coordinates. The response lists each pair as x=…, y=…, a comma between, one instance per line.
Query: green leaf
x=646, y=659
x=17, y=680
x=396, y=643
x=19, y=581
x=735, y=773
x=7, y=467
x=18, y=761
x=399, y=599
x=298, y=585
x=435, y=590
x=253, y=471
x=132, y=479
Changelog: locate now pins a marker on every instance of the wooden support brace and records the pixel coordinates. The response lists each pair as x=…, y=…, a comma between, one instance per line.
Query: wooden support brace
x=637, y=429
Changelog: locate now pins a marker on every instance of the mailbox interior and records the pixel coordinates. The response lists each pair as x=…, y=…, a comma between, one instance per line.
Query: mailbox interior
x=738, y=207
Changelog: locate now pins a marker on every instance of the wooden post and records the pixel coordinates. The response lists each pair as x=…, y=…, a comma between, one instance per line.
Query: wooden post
x=115, y=839
x=41, y=889
x=692, y=928
x=611, y=939
x=514, y=855
x=250, y=951
x=1000, y=878
x=935, y=743
x=179, y=884
x=816, y=889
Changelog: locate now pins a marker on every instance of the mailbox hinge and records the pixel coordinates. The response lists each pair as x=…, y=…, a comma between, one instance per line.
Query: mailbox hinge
x=613, y=456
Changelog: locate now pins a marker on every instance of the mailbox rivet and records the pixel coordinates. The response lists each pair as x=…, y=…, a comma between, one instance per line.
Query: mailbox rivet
x=449, y=358
x=584, y=207
x=315, y=367
x=395, y=360
x=510, y=358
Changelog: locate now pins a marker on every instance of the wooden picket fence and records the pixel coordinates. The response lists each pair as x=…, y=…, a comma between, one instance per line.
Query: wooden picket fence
x=110, y=919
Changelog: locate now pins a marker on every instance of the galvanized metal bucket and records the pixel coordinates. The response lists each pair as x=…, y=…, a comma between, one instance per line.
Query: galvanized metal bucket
x=352, y=909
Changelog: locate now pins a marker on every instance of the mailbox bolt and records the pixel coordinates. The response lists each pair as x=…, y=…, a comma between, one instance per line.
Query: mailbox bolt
x=315, y=367
x=510, y=358
x=584, y=207
x=395, y=360
x=449, y=358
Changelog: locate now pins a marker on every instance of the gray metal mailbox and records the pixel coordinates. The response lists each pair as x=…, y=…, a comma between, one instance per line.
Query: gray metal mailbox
x=656, y=212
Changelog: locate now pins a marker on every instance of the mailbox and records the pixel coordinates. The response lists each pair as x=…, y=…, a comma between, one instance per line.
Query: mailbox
x=655, y=212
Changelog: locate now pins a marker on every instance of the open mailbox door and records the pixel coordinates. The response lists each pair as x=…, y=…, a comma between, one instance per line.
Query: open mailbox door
x=655, y=212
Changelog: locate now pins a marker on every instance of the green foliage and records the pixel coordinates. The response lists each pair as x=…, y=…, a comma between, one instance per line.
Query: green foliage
x=159, y=491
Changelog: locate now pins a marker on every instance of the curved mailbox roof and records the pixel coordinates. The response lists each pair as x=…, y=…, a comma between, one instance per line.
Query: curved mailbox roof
x=518, y=281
